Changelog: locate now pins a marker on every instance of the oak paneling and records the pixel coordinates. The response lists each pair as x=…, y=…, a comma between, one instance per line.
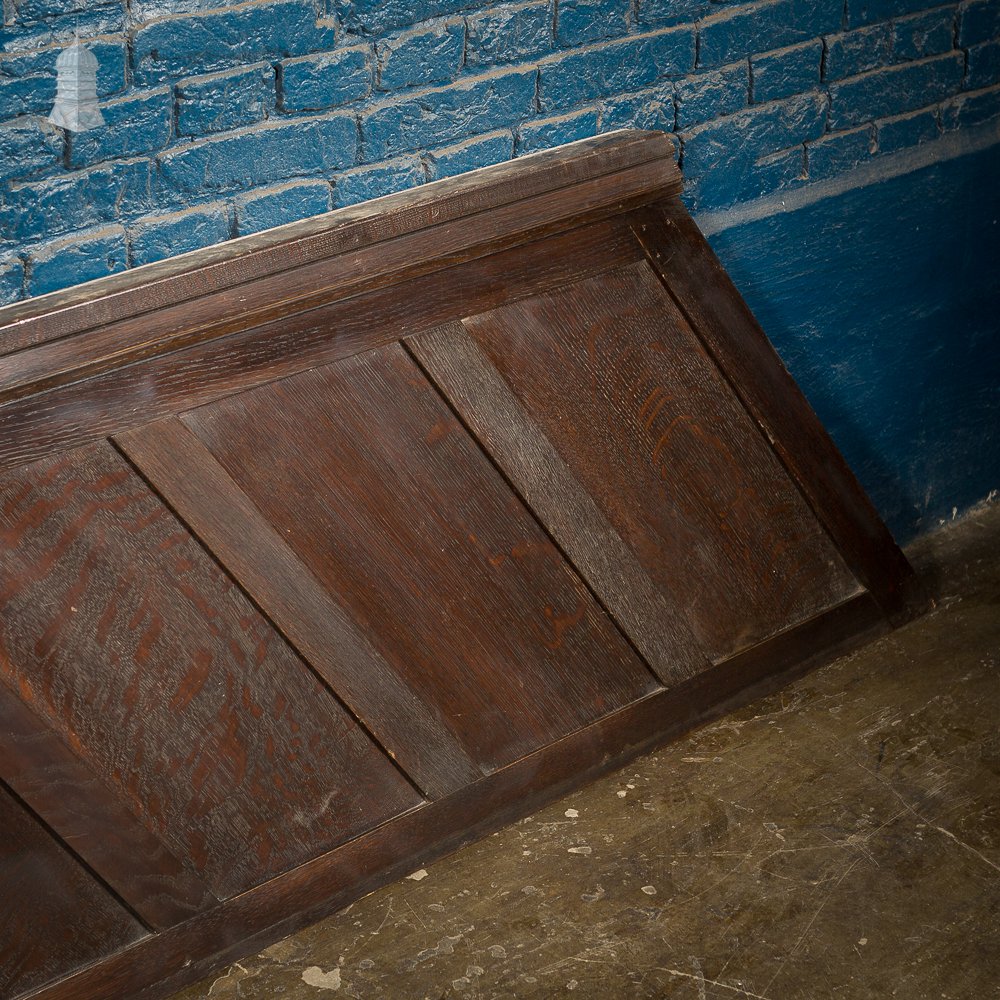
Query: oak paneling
x=381, y=492
x=125, y=637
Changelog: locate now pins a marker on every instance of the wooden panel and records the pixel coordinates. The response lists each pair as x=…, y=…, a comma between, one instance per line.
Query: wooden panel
x=188, y=476
x=615, y=378
x=254, y=920
x=381, y=492
x=83, y=810
x=742, y=351
x=656, y=626
x=68, y=416
x=119, y=631
x=54, y=916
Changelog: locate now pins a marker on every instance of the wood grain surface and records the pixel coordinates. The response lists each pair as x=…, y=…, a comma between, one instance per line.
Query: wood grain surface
x=385, y=497
x=656, y=625
x=615, y=378
x=84, y=810
x=135, y=394
x=186, y=473
x=709, y=300
x=123, y=635
x=54, y=916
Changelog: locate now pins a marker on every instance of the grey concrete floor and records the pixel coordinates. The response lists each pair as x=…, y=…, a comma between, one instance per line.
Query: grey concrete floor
x=840, y=839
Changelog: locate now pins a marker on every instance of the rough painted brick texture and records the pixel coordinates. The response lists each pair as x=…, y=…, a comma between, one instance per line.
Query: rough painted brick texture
x=224, y=117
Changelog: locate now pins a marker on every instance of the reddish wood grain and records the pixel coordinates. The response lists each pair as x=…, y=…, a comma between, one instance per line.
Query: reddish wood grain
x=387, y=500
x=120, y=633
x=254, y=920
x=614, y=376
x=54, y=916
x=186, y=473
x=84, y=811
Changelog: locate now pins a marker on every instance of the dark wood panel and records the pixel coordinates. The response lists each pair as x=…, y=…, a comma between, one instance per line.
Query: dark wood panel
x=84, y=811
x=655, y=624
x=380, y=491
x=607, y=162
x=120, y=632
x=615, y=378
x=69, y=416
x=55, y=917
x=188, y=476
x=705, y=293
x=252, y=921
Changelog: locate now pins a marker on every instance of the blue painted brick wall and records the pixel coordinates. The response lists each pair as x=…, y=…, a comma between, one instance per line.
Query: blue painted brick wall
x=268, y=110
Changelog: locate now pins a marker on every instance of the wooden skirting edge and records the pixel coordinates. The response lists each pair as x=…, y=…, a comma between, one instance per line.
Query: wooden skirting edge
x=261, y=916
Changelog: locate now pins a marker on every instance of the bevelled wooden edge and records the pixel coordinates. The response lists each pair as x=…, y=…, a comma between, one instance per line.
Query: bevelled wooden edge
x=249, y=258
x=159, y=966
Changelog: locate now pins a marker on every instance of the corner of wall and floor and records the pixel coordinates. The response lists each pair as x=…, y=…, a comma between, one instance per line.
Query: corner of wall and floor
x=841, y=156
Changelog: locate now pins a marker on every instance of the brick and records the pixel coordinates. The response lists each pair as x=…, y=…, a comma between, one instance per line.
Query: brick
x=653, y=13
x=284, y=203
x=149, y=10
x=854, y=52
x=983, y=68
x=649, y=109
x=82, y=257
x=497, y=147
x=923, y=35
x=80, y=200
x=28, y=79
x=159, y=236
x=894, y=90
x=222, y=39
x=133, y=125
x=746, y=179
x=786, y=72
x=11, y=279
x=978, y=21
x=840, y=152
x=274, y=151
x=972, y=109
x=906, y=130
x=537, y=135
x=734, y=34
x=27, y=146
x=28, y=11
x=437, y=117
x=711, y=95
x=421, y=57
x=225, y=100
x=509, y=34
x=582, y=21
x=313, y=83
x=377, y=17
x=746, y=154
x=614, y=67
x=870, y=11
x=56, y=32
x=32, y=95
x=378, y=180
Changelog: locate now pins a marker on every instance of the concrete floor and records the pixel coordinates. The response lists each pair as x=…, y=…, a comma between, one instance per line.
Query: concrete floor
x=840, y=839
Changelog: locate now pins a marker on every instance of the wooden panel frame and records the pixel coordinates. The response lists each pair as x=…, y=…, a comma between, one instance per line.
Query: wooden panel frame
x=106, y=358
